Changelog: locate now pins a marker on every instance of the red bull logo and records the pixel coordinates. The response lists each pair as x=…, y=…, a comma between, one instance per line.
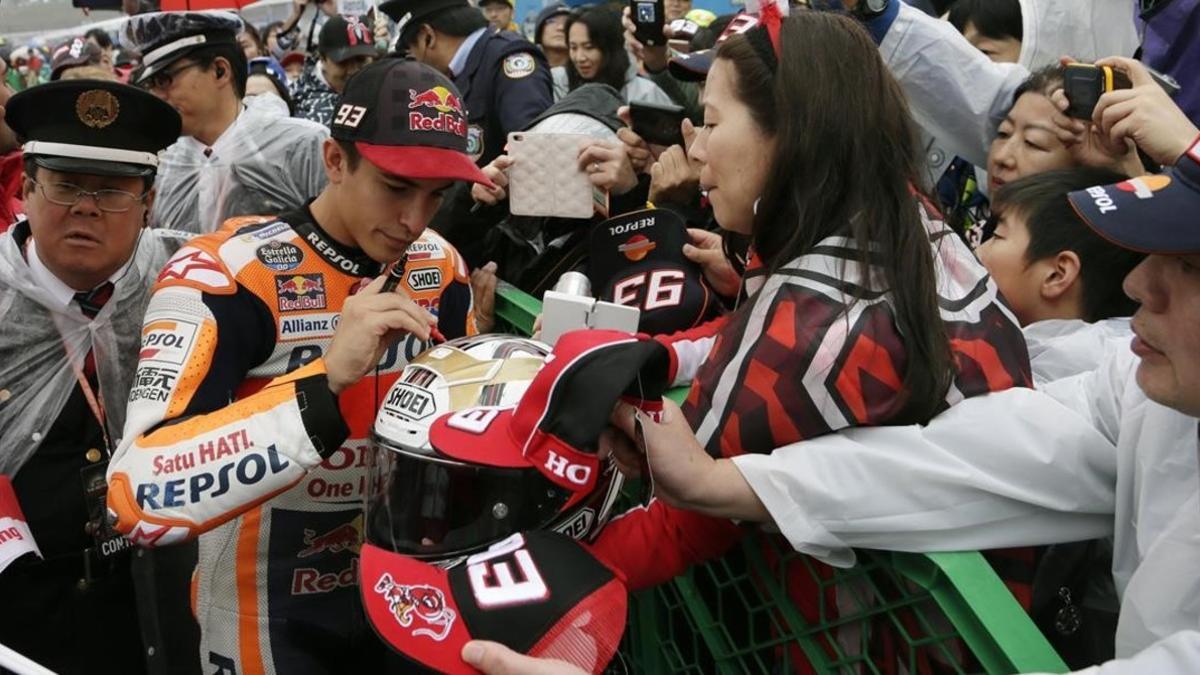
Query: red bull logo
x=420, y=605
x=300, y=292
x=345, y=537
x=450, y=118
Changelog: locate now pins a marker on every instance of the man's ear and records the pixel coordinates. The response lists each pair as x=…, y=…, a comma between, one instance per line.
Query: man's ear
x=336, y=167
x=1063, y=275
x=27, y=187
x=150, y=195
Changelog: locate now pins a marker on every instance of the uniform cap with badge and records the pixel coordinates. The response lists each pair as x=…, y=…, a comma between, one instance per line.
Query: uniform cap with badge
x=408, y=120
x=165, y=37
x=410, y=12
x=93, y=127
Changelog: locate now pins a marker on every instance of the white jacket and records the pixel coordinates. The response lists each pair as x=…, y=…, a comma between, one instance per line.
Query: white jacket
x=958, y=96
x=1087, y=456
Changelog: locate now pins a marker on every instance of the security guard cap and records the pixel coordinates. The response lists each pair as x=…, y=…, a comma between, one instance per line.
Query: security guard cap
x=405, y=12
x=92, y=127
x=165, y=37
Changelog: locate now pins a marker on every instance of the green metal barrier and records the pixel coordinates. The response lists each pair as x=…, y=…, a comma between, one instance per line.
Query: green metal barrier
x=938, y=612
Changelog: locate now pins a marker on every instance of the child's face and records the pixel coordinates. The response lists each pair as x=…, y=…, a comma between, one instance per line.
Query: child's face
x=1020, y=282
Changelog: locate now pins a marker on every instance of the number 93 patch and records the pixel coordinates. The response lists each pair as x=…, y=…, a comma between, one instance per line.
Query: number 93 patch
x=520, y=65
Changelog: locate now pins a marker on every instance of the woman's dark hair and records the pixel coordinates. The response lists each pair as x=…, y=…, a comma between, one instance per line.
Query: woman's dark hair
x=995, y=19
x=846, y=162
x=606, y=34
x=249, y=29
x=1054, y=227
x=456, y=21
x=1042, y=81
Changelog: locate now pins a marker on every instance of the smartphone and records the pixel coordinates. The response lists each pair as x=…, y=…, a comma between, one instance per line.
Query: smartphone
x=648, y=20
x=545, y=179
x=658, y=124
x=1084, y=84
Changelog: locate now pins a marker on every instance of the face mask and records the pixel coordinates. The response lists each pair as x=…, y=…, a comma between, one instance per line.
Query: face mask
x=24, y=70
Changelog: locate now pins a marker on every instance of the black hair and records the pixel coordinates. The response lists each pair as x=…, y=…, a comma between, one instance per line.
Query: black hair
x=1054, y=226
x=249, y=29
x=995, y=19
x=31, y=167
x=205, y=56
x=846, y=162
x=101, y=37
x=1042, y=81
x=351, y=153
x=456, y=22
x=606, y=34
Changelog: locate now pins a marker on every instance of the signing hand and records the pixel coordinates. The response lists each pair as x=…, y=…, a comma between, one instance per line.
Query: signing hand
x=371, y=322
x=705, y=250
x=483, y=290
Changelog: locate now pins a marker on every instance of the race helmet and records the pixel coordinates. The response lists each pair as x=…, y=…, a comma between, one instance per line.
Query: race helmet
x=433, y=507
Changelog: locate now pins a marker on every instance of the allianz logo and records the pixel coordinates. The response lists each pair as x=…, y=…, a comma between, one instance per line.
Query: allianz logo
x=309, y=325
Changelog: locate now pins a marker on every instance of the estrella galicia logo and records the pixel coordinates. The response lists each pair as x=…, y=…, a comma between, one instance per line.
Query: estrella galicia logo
x=280, y=255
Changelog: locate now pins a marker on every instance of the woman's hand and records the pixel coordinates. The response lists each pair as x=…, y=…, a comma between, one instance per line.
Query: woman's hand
x=483, y=293
x=496, y=172
x=675, y=177
x=607, y=166
x=1144, y=114
x=706, y=251
x=1089, y=146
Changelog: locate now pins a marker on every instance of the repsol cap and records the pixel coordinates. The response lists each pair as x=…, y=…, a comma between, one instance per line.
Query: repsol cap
x=165, y=37
x=556, y=425
x=637, y=259
x=408, y=120
x=694, y=66
x=92, y=127
x=539, y=593
x=1148, y=214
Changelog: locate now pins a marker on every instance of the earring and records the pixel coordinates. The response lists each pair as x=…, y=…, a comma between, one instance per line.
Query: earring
x=755, y=207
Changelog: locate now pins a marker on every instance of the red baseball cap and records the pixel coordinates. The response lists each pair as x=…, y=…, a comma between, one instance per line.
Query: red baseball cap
x=539, y=593
x=408, y=120
x=556, y=426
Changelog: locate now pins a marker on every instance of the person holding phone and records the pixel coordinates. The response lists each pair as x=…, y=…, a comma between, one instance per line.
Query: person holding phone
x=596, y=46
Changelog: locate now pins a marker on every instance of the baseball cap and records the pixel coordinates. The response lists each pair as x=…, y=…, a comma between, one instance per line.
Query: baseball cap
x=75, y=52
x=291, y=57
x=408, y=120
x=539, y=593
x=93, y=127
x=548, y=12
x=404, y=12
x=637, y=259
x=556, y=426
x=694, y=66
x=344, y=38
x=1148, y=214
x=166, y=37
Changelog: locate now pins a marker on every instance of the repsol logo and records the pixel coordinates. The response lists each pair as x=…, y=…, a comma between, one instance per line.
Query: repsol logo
x=625, y=228
x=1101, y=199
x=248, y=470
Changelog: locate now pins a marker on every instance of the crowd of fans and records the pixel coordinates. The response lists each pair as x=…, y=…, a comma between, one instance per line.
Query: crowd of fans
x=933, y=284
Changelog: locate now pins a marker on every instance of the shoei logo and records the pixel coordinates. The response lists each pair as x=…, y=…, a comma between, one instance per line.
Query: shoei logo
x=563, y=468
x=1144, y=187
x=421, y=604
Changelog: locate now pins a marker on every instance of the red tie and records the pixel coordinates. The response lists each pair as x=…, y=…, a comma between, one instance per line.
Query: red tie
x=90, y=304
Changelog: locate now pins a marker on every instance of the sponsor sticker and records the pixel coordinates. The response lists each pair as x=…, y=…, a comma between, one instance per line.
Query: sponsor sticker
x=425, y=279
x=417, y=606
x=196, y=266
x=300, y=292
x=280, y=255
x=410, y=402
x=153, y=383
x=308, y=326
x=167, y=342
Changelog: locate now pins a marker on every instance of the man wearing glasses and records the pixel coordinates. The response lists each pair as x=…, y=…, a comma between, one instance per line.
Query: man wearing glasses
x=75, y=280
x=236, y=156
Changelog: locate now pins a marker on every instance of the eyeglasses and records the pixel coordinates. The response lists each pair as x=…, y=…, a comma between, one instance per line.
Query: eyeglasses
x=163, y=79
x=110, y=201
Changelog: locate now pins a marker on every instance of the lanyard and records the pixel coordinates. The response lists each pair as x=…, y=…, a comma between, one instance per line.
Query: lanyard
x=95, y=399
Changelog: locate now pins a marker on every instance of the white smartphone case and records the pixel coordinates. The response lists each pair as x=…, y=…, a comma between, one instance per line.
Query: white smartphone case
x=544, y=179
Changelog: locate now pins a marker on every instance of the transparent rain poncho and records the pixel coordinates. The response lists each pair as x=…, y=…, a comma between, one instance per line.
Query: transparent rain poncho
x=41, y=345
x=264, y=163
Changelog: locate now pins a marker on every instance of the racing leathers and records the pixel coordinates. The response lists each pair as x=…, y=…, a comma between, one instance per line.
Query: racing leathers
x=234, y=436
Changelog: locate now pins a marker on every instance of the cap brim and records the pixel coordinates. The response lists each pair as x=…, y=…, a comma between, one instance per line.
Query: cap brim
x=493, y=446
x=419, y=161
x=691, y=67
x=438, y=643
x=92, y=167
x=147, y=70
x=1148, y=214
x=342, y=53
